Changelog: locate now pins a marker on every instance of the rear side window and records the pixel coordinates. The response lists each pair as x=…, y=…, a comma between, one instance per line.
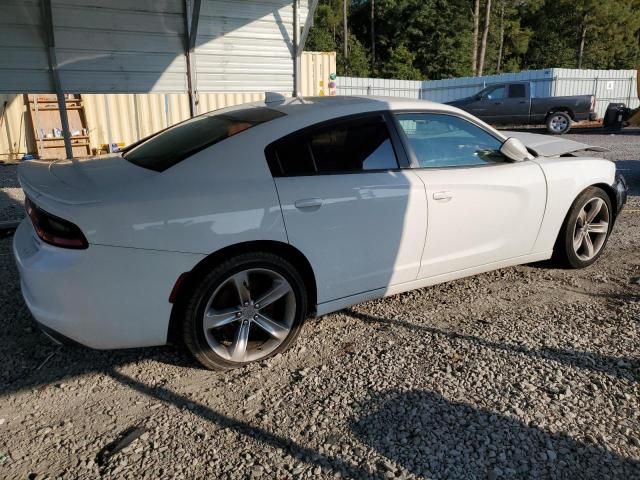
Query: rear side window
x=180, y=141
x=347, y=146
x=517, y=90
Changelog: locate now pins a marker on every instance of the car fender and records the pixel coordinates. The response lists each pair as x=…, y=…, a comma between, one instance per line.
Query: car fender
x=566, y=178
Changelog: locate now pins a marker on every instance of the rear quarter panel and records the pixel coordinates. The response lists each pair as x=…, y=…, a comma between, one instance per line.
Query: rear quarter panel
x=566, y=178
x=577, y=104
x=220, y=196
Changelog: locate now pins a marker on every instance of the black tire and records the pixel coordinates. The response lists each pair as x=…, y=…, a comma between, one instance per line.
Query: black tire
x=558, y=123
x=564, y=251
x=193, y=327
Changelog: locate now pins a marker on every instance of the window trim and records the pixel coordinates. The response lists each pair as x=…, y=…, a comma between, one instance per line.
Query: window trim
x=402, y=160
x=415, y=164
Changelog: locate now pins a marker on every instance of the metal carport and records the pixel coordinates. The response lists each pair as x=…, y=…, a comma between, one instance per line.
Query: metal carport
x=161, y=46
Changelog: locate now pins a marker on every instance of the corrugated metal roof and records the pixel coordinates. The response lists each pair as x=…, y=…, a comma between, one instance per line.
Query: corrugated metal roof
x=138, y=46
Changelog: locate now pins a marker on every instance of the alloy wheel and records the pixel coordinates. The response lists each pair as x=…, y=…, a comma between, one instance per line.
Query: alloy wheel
x=591, y=229
x=249, y=315
x=559, y=123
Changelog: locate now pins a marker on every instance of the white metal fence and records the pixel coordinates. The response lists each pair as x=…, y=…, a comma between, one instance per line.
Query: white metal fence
x=608, y=86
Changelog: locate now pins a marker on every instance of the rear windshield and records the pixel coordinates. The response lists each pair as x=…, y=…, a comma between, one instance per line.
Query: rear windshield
x=170, y=146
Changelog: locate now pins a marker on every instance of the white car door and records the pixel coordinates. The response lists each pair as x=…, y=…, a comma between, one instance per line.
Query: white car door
x=482, y=208
x=358, y=218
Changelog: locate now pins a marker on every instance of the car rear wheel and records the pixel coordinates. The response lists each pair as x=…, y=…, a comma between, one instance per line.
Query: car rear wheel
x=586, y=229
x=247, y=309
x=558, y=123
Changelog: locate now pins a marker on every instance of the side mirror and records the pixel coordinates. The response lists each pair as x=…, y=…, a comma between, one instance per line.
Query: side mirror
x=515, y=150
x=478, y=97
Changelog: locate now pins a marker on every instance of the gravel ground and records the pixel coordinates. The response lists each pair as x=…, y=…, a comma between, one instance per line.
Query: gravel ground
x=11, y=195
x=527, y=372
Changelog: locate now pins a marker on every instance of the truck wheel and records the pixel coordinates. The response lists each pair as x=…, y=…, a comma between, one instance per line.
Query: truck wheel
x=558, y=123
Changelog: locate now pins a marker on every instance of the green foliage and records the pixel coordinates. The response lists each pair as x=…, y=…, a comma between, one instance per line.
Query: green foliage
x=432, y=39
x=400, y=65
x=358, y=64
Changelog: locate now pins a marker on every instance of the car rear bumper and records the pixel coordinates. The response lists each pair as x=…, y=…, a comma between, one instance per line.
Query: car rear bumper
x=102, y=297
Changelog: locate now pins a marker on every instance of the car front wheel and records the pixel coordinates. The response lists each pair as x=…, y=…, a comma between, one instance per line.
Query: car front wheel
x=247, y=309
x=586, y=229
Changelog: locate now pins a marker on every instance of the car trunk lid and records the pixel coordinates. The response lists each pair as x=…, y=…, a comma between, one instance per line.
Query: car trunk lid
x=78, y=181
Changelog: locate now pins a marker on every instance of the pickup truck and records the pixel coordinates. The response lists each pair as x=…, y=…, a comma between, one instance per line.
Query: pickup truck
x=511, y=104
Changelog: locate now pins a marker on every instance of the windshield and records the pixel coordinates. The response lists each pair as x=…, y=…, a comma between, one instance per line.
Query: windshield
x=174, y=144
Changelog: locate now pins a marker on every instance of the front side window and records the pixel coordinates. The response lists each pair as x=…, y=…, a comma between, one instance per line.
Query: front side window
x=495, y=93
x=178, y=142
x=346, y=146
x=447, y=141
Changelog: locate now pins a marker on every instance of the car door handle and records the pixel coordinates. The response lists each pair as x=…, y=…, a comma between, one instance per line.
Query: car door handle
x=443, y=196
x=497, y=103
x=308, y=203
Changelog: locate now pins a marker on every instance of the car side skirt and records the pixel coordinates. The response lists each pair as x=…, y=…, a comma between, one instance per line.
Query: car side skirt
x=340, y=303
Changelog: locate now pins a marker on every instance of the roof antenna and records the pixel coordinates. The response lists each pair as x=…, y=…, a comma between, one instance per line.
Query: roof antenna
x=273, y=97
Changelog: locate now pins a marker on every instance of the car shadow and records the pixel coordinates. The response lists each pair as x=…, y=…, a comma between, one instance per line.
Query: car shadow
x=302, y=453
x=435, y=437
x=623, y=368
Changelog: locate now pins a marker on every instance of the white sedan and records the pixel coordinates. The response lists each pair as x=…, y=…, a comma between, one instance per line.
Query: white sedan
x=226, y=231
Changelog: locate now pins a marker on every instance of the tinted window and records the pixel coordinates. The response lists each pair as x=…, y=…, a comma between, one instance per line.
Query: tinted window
x=517, y=90
x=176, y=143
x=448, y=141
x=495, y=93
x=345, y=146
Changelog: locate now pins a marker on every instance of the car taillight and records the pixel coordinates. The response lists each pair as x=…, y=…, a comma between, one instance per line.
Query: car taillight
x=55, y=230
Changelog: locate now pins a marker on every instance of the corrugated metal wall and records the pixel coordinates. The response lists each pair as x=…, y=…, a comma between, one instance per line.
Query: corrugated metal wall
x=245, y=46
x=316, y=70
x=607, y=85
x=451, y=89
x=15, y=137
x=118, y=45
x=24, y=66
x=125, y=118
x=138, y=46
x=379, y=86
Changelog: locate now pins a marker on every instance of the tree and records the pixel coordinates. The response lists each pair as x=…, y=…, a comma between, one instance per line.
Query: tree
x=358, y=63
x=499, y=64
x=436, y=38
x=345, y=34
x=485, y=34
x=476, y=28
x=400, y=65
x=373, y=35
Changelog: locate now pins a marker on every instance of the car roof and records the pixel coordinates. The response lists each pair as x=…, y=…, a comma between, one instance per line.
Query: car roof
x=300, y=105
